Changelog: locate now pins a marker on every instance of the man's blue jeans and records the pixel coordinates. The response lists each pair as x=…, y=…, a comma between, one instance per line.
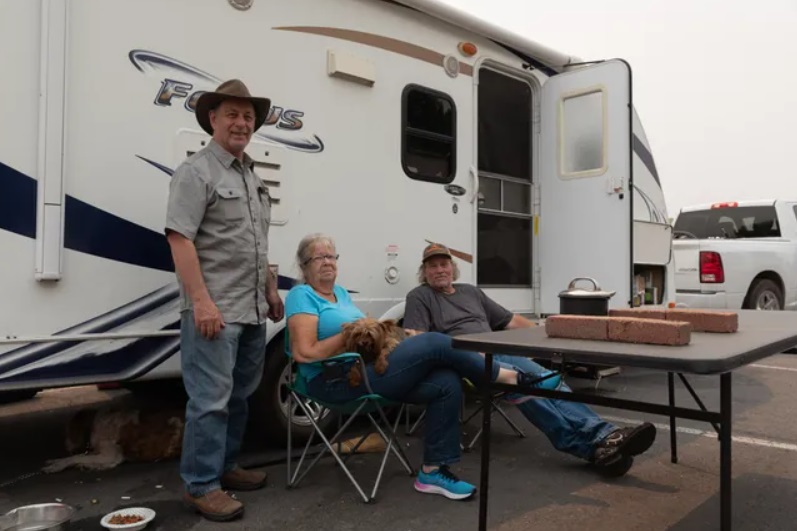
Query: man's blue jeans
x=219, y=376
x=571, y=427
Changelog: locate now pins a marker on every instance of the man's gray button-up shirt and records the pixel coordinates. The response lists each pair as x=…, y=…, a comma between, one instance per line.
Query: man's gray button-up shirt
x=225, y=209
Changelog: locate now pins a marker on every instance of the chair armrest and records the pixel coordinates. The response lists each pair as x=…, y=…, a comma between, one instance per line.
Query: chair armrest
x=346, y=357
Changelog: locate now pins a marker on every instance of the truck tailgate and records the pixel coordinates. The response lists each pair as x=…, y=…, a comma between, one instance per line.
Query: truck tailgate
x=686, y=255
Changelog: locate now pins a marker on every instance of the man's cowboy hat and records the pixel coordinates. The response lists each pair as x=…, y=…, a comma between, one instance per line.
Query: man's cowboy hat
x=234, y=88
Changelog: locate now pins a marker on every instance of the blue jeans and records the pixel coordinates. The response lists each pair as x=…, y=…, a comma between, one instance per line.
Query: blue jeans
x=423, y=369
x=219, y=376
x=571, y=427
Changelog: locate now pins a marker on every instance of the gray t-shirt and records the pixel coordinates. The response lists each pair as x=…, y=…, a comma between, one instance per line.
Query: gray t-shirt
x=466, y=311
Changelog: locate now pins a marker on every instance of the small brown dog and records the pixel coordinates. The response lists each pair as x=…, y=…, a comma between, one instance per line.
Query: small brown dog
x=374, y=340
x=102, y=439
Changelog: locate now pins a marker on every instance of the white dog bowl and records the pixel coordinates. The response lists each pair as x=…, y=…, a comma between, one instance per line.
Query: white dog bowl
x=147, y=514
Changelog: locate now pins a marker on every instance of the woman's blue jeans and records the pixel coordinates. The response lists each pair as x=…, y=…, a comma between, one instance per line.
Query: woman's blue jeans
x=570, y=426
x=422, y=369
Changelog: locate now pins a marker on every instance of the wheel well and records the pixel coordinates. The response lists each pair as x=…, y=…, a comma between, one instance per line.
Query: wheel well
x=768, y=275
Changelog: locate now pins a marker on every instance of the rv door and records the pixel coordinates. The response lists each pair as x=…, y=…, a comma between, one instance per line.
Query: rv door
x=586, y=223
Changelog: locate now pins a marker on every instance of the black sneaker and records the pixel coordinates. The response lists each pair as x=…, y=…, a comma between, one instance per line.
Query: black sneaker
x=617, y=468
x=624, y=442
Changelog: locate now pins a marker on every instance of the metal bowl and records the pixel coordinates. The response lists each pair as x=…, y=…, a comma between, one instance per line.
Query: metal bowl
x=41, y=517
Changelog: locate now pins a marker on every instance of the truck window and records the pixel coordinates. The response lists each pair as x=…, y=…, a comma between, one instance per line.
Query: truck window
x=729, y=222
x=428, y=140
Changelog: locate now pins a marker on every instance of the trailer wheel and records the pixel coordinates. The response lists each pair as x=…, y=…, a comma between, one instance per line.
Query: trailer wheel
x=764, y=295
x=268, y=405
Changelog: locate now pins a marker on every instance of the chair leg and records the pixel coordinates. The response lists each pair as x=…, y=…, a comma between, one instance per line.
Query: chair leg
x=494, y=407
x=417, y=422
x=393, y=446
x=290, y=448
x=396, y=448
x=331, y=450
x=509, y=421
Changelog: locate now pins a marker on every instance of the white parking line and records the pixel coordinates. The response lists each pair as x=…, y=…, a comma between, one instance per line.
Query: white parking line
x=754, y=441
x=759, y=366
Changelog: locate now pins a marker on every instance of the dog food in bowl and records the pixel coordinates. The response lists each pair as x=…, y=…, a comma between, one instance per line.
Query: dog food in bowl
x=124, y=519
x=130, y=519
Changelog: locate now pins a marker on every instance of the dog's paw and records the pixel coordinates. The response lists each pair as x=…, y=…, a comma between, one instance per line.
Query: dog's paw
x=380, y=365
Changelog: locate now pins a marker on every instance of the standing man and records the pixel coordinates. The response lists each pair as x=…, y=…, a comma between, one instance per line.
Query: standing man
x=441, y=305
x=217, y=225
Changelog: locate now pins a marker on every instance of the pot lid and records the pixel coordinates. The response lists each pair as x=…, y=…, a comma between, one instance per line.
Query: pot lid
x=596, y=292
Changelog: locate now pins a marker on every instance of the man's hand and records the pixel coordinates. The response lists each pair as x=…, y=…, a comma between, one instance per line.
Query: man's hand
x=411, y=332
x=207, y=318
x=276, y=309
x=518, y=321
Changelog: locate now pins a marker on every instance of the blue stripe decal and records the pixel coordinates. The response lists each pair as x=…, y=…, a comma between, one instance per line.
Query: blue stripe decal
x=17, y=202
x=89, y=229
x=99, y=233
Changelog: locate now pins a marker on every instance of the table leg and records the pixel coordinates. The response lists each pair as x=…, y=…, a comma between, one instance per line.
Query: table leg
x=673, y=433
x=486, y=416
x=726, y=499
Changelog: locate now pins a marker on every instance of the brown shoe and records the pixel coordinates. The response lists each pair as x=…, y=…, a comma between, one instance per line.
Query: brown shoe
x=241, y=479
x=216, y=505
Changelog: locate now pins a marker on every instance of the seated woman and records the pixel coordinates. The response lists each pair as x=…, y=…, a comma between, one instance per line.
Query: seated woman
x=423, y=369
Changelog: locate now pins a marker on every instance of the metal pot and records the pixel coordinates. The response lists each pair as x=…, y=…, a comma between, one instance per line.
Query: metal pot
x=580, y=301
x=41, y=517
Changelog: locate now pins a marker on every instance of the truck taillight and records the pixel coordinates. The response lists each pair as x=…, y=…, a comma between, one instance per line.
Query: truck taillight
x=711, y=271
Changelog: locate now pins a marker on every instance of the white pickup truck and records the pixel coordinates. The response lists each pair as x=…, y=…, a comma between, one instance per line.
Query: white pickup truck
x=737, y=255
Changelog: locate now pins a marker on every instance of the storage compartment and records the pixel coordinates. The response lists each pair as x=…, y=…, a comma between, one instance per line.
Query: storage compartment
x=648, y=285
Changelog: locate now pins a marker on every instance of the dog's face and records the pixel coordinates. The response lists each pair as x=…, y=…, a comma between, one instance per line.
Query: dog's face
x=367, y=335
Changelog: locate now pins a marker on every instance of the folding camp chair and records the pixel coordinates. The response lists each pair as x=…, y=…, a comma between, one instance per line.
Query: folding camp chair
x=368, y=405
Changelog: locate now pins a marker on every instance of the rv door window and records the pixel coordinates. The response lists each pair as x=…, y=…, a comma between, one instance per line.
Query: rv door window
x=582, y=149
x=428, y=135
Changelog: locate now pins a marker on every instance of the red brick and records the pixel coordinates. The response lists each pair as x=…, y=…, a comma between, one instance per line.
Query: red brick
x=651, y=331
x=577, y=327
x=641, y=313
x=706, y=320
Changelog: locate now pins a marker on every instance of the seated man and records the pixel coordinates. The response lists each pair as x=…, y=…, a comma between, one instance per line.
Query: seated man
x=441, y=305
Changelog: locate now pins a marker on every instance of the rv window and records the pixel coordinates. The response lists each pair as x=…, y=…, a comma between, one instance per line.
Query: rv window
x=582, y=146
x=428, y=136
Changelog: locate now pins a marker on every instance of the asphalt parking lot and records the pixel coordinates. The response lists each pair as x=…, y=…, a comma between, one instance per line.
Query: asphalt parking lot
x=532, y=485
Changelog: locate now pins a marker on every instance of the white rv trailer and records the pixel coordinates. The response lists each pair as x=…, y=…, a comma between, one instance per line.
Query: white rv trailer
x=394, y=123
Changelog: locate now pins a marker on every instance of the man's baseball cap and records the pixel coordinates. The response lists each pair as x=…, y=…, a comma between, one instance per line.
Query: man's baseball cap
x=435, y=249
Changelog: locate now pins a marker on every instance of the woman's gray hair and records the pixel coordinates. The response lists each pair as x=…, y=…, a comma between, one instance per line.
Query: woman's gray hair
x=422, y=272
x=303, y=252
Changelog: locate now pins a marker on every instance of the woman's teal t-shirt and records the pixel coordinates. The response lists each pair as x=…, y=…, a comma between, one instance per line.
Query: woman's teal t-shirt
x=331, y=315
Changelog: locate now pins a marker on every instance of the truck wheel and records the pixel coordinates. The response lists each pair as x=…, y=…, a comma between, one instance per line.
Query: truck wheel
x=764, y=295
x=268, y=405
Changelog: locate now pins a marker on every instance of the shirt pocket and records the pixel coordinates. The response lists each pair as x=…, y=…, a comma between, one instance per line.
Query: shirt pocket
x=231, y=203
x=265, y=203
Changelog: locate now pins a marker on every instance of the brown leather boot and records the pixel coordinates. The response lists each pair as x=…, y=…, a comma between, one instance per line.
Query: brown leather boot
x=241, y=479
x=216, y=505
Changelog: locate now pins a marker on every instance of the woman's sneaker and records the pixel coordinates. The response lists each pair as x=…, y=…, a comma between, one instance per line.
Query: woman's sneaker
x=443, y=481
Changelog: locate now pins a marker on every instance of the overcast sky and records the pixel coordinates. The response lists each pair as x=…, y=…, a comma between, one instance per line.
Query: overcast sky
x=715, y=83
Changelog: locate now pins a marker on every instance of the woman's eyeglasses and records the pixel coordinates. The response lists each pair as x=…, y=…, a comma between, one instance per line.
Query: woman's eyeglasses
x=319, y=259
